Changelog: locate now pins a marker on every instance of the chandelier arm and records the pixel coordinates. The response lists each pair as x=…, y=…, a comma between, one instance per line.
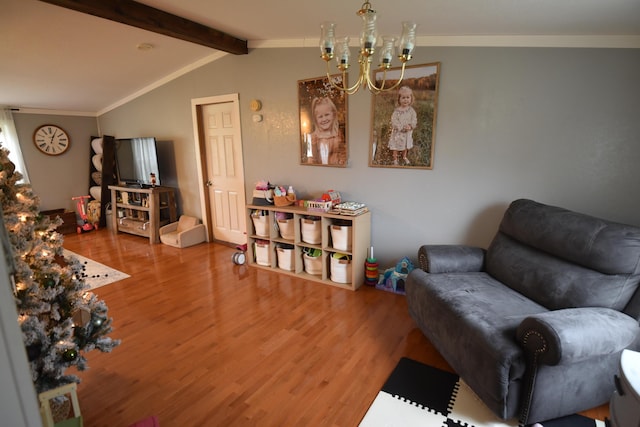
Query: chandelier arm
x=376, y=90
x=348, y=90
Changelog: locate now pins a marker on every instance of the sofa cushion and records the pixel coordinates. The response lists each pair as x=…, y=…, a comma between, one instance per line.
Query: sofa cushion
x=186, y=222
x=554, y=282
x=594, y=243
x=465, y=305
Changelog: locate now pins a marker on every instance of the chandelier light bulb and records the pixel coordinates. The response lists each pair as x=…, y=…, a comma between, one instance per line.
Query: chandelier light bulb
x=407, y=40
x=327, y=40
x=369, y=35
x=387, y=51
x=343, y=54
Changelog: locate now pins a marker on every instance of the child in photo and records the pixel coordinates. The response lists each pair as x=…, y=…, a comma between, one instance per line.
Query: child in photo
x=403, y=121
x=327, y=142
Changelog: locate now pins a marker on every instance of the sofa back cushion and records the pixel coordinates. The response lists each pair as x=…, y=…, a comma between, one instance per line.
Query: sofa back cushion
x=563, y=259
x=186, y=222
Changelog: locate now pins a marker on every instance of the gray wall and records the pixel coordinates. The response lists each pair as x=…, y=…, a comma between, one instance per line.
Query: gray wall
x=56, y=179
x=556, y=125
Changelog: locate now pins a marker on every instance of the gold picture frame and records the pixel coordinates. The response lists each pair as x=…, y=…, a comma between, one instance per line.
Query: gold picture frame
x=323, y=122
x=401, y=136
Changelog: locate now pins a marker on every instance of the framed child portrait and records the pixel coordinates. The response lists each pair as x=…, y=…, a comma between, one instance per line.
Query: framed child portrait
x=404, y=119
x=323, y=122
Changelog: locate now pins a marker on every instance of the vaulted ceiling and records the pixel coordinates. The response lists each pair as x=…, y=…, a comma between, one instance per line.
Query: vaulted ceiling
x=55, y=58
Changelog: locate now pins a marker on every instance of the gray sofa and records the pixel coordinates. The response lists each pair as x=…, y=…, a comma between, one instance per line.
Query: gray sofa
x=536, y=323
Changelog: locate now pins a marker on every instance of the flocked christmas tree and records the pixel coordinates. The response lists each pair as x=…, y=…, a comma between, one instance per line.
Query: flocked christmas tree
x=59, y=318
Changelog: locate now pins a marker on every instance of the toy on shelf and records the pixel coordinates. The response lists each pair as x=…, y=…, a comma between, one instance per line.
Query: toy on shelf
x=81, y=205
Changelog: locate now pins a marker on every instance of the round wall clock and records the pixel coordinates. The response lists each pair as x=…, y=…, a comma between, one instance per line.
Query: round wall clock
x=51, y=140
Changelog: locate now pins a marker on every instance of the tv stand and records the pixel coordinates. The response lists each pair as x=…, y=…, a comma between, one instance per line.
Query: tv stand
x=142, y=211
x=137, y=185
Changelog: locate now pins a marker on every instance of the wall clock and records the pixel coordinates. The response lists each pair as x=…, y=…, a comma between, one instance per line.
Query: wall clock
x=51, y=140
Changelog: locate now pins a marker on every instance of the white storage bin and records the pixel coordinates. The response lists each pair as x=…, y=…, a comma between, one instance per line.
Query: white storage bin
x=262, y=253
x=312, y=265
x=625, y=402
x=286, y=227
x=311, y=232
x=261, y=225
x=285, y=258
x=340, y=269
x=341, y=237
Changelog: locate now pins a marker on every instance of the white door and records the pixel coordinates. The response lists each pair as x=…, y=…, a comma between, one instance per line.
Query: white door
x=224, y=171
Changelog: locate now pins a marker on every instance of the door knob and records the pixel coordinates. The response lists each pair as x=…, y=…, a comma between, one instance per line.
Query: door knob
x=209, y=183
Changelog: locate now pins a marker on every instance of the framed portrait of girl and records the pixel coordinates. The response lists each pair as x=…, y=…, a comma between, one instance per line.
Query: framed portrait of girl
x=404, y=119
x=323, y=122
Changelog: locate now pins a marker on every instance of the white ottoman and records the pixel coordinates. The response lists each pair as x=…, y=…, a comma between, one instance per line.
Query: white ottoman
x=625, y=403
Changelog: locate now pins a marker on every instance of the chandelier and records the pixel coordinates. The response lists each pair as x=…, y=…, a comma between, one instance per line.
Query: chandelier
x=339, y=49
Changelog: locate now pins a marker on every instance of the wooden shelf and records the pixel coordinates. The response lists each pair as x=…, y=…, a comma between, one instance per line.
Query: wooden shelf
x=264, y=238
x=107, y=174
x=157, y=208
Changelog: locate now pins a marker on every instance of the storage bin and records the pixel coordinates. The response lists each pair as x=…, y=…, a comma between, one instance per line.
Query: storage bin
x=261, y=224
x=341, y=237
x=262, y=253
x=625, y=402
x=340, y=268
x=285, y=257
x=286, y=227
x=312, y=264
x=310, y=230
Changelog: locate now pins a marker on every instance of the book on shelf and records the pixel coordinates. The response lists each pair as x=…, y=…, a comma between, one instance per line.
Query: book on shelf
x=350, y=208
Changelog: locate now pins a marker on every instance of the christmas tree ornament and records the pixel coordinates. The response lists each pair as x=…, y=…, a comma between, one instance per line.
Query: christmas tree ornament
x=49, y=282
x=81, y=316
x=69, y=355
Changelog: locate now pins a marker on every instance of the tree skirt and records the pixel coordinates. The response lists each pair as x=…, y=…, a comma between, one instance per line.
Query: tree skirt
x=94, y=273
x=406, y=401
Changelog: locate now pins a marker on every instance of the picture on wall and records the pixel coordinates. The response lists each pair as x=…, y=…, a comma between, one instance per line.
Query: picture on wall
x=323, y=122
x=404, y=119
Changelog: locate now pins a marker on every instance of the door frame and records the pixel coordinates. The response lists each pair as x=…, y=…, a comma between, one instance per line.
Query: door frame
x=201, y=163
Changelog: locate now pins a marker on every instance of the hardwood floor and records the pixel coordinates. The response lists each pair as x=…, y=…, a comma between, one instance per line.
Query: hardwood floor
x=209, y=343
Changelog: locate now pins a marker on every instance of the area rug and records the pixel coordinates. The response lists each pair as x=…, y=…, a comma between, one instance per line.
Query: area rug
x=419, y=395
x=95, y=274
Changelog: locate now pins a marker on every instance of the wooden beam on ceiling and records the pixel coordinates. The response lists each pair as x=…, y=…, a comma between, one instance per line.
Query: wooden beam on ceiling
x=158, y=21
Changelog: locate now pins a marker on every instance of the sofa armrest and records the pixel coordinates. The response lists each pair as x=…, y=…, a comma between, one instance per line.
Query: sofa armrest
x=192, y=236
x=573, y=334
x=169, y=228
x=451, y=258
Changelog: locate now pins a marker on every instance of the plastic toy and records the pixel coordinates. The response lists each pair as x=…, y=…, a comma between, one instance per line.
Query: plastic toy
x=240, y=257
x=81, y=205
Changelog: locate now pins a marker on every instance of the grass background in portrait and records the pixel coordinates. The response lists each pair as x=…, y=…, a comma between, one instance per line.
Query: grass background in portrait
x=425, y=94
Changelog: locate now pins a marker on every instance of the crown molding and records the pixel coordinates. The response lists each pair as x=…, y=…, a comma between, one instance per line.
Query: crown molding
x=557, y=41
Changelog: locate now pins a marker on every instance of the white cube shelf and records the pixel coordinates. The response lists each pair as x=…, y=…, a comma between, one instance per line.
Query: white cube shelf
x=332, y=233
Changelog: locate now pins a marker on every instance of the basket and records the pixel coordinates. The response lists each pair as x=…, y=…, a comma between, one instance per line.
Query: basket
x=341, y=237
x=286, y=227
x=287, y=200
x=261, y=224
x=312, y=265
x=340, y=268
x=311, y=232
x=262, y=253
x=320, y=206
x=285, y=257
x=262, y=197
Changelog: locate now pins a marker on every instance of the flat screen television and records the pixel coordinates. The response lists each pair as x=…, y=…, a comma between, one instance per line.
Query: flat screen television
x=136, y=160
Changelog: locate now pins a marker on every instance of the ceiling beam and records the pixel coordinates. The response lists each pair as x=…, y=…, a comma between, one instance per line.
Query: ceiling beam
x=158, y=21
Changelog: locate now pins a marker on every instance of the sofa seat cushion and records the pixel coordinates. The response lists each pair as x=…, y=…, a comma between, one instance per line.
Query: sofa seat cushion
x=466, y=305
